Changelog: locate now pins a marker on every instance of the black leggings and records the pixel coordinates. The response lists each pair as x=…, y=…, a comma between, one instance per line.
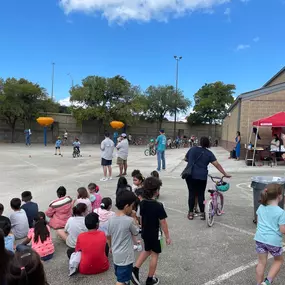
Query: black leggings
x=196, y=187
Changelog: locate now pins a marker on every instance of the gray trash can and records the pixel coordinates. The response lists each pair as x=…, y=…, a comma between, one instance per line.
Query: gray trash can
x=259, y=183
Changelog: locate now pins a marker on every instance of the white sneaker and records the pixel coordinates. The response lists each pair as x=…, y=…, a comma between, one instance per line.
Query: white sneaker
x=104, y=179
x=135, y=247
x=110, y=178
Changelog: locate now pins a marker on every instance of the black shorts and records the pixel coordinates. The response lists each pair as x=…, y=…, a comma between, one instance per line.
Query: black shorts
x=105, y=162
x=57, y=147
x=152, y=245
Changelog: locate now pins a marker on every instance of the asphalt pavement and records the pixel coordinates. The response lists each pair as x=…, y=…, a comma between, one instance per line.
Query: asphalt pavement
x=199, y=255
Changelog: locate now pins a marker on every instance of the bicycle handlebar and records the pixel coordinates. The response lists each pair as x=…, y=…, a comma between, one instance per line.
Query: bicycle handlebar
x=213, y=178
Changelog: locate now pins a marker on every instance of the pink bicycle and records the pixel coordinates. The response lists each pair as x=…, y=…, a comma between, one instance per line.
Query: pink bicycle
x=215, y=205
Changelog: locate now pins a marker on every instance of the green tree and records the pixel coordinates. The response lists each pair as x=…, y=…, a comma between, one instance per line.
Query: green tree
x=20, y=100
x=211, y=103
x=163, y=99
x=106, y=99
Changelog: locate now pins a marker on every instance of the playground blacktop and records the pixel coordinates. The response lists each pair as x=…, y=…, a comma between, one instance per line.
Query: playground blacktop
x=199, y=255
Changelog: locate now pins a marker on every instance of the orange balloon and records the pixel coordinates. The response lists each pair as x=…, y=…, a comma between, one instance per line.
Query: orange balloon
x=117, y=124
x=45, y=121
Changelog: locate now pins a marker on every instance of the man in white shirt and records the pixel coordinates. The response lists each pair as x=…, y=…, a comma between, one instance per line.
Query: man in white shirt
x=107, y=149
x=123, y=153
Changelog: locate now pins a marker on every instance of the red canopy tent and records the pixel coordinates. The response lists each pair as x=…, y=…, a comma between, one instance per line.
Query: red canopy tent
x=275, y=121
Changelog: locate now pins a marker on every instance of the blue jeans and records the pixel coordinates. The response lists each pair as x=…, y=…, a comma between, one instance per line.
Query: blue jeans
x=28, y=140
x=23, y=247
x=160, y=158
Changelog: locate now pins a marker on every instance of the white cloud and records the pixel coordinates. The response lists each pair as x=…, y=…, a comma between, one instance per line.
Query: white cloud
x=227, y=12
x=65, y=102
x=256, y=39
x=141, y=10
x=242, y=47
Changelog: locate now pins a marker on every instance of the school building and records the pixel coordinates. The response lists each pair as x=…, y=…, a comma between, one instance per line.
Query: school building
x=251, y=106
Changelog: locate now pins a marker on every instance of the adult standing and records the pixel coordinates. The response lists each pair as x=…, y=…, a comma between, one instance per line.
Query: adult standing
x=115, y=137
x=65, y=137
x=107, y=149
x=123, y=153
x=161, y=146
x=199, y=158
x=238, y=138
x=28, y=134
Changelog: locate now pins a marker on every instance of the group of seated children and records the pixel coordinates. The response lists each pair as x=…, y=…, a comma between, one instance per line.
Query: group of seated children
x=89, y=220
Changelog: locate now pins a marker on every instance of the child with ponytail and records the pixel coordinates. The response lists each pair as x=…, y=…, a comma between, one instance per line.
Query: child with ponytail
x=95, y=196
x=268, y=237
x=105, y=213
x=40, y=238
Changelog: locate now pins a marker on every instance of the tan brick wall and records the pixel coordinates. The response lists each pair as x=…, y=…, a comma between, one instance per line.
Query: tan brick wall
x=257, y=108
x=278, y=80
x=230, y=125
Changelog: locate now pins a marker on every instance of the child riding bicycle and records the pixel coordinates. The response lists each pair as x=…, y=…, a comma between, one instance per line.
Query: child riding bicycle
x=76, y=145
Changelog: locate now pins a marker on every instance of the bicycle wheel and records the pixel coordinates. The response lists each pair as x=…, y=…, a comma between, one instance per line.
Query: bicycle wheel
x=153, y=152
x=146, y=152
x=210, y=213
x=74, y=154
x=220, y=204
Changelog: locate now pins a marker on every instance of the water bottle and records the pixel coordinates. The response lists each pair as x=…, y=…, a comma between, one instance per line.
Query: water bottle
x=139, y=246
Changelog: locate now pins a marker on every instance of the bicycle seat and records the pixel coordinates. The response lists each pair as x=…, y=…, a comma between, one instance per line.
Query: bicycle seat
x=211, y=191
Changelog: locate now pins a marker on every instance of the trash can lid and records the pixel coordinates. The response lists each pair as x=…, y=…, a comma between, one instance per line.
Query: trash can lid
x=268, y=179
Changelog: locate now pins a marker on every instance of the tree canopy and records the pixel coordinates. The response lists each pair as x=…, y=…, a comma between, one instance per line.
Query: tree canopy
x=211, y=103
x=106, y=99
x=162, y=100
x=22, y=100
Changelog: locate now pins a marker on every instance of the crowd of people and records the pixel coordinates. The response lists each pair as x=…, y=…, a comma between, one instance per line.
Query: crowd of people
x=89, y=227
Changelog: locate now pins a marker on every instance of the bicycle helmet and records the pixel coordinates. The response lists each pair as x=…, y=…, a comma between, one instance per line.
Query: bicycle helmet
x=152, y=140
x=223, y=186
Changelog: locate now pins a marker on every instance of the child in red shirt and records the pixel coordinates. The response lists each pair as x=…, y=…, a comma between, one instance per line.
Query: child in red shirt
x=92, y=245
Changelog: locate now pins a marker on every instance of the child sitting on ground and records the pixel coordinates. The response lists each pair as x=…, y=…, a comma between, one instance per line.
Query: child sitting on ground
x=26, y=268
x=83, y=197
x=94, y=196
x=40, y=238
x=8, y=236
x=105, y=214
x=59, y=210
x=75, y=226
x=153, y=218
x=268, y=237
x=120, y=231
x=19, y=220
x=123, y=185
x=3, y=219
x=138, y=180
x=92, y=245
x=29, y=207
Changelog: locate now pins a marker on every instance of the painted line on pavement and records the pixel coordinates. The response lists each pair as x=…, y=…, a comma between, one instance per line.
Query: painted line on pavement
x=233, y=272
x=219, y=223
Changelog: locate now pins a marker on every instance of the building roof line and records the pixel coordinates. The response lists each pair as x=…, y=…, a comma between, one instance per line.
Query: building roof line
x=274, y=77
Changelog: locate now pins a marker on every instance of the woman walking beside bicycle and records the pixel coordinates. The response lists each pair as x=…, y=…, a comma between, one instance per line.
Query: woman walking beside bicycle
x=198, y=159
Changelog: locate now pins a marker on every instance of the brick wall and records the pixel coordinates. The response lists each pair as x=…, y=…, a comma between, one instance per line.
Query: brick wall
x=93, y=132
x=279, y=79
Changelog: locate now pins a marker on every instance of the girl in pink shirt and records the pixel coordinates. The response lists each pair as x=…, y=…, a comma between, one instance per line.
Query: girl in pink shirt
x=40, y=238
x=83, y=197
x=95, y=197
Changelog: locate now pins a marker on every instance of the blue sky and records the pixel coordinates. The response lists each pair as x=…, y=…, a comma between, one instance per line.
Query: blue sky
x=237, y=41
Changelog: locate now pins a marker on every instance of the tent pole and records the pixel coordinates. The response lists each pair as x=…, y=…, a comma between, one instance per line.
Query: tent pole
x=254, y=151
x=249, y=141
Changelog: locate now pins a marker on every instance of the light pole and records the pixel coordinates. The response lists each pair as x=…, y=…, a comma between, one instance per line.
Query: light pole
x=52, y=80
x=71, y=79
x=177, y=58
